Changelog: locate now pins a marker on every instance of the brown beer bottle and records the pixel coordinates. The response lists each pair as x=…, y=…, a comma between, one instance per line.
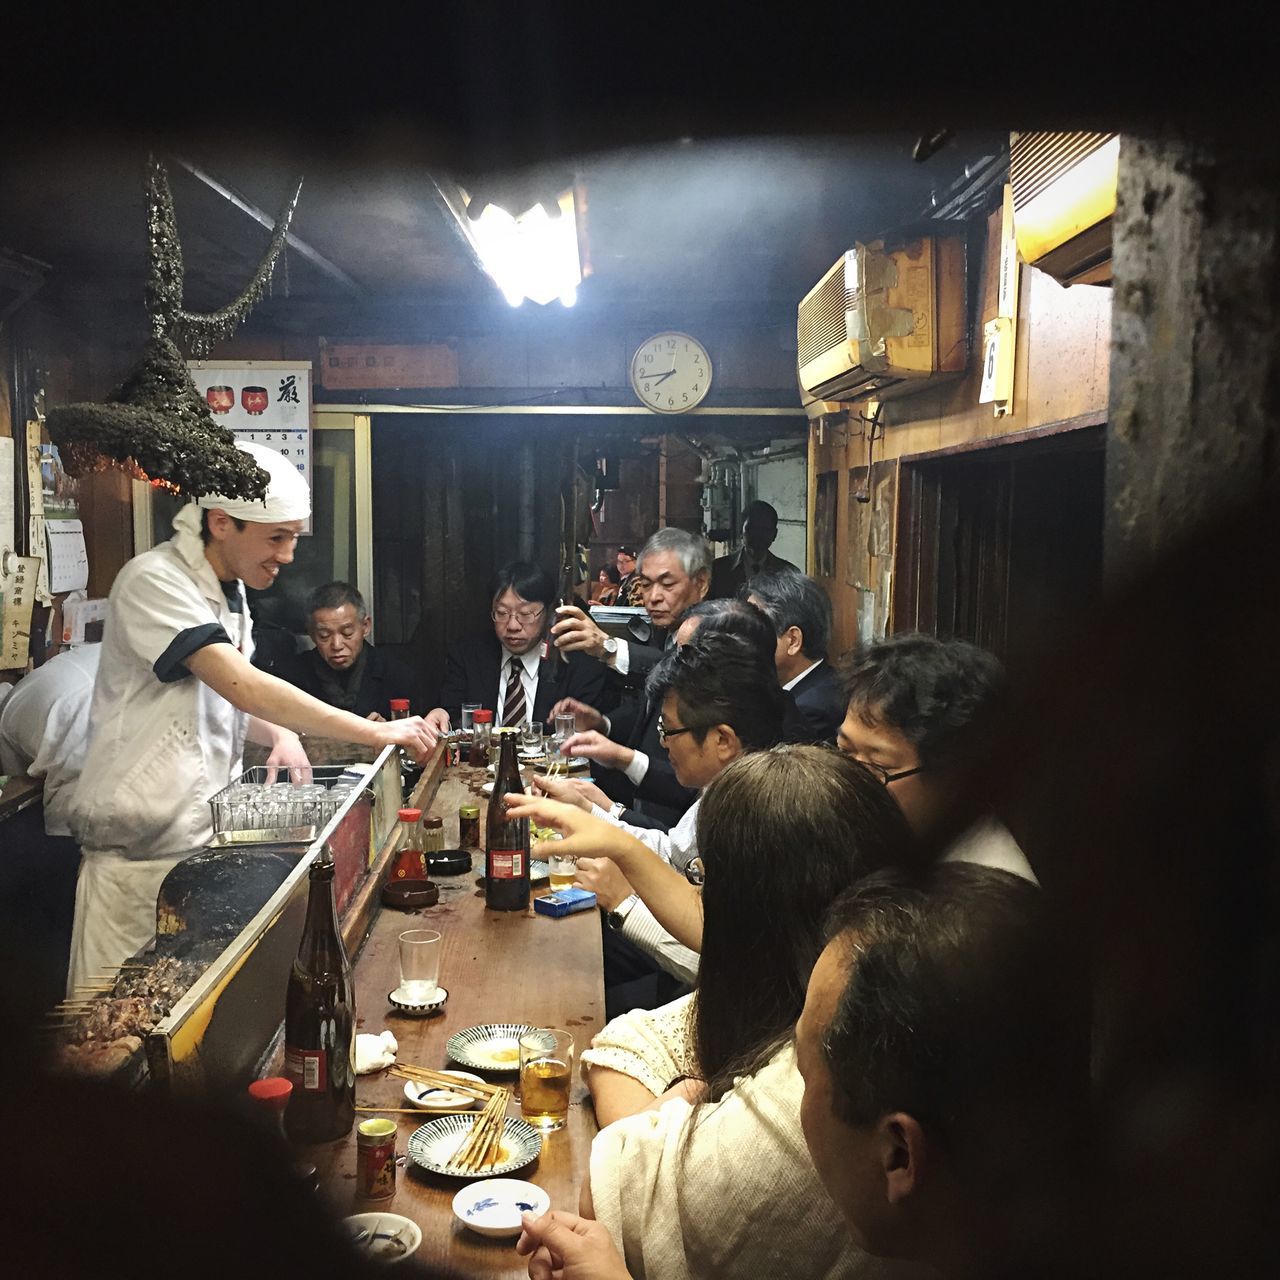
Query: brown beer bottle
x=506, y=845
x=320, y=1021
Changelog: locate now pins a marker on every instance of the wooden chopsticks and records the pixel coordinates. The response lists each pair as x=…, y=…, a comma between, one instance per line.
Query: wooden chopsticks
x=482, y=1145
x=443, y=1080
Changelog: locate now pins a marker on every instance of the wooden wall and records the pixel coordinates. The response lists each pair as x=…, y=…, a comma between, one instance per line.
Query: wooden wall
x=1062, y=359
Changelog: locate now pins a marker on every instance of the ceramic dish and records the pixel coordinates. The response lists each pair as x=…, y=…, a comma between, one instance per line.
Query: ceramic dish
x=425, y=1098
x=493, y=1046
x=493, y=1207
x=438, y=1141
x=385, y=1237
x=418, y=1008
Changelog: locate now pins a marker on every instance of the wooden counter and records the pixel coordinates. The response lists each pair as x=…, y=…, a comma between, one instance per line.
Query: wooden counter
x=497, y=967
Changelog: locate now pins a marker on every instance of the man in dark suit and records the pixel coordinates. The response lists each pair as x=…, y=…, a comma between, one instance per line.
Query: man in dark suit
x=801, y=615
x=729, y=574
x=344, y=669
x=504, y=669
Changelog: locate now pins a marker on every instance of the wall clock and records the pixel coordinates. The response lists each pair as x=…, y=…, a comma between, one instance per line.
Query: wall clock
x=671, y=372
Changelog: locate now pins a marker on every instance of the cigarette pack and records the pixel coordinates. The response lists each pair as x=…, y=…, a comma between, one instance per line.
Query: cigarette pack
x=564, y=902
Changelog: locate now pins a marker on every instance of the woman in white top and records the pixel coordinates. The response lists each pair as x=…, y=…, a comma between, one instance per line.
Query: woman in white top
x=702, y=1168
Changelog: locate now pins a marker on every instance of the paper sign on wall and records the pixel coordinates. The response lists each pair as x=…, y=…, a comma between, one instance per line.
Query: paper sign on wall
x=17, y=597
x=68, y=559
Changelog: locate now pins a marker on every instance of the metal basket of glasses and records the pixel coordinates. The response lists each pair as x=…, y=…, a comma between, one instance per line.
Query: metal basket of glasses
x=267, y=799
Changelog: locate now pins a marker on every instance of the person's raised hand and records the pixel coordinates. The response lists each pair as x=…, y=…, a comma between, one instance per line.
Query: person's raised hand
x=562, y=789
x=583, y=834
x=584, y=716
x=438, y=721
x=574, y=630
x=563, y=1246
x=412, y=733
x=593, y=745
x=602, y=877
x=288, y=756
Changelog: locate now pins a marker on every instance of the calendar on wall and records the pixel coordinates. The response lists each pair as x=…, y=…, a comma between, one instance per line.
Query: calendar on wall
x=266, y=401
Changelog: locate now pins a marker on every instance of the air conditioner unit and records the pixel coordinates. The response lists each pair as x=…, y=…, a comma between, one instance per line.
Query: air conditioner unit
x=1064, y=200
x=888, y=319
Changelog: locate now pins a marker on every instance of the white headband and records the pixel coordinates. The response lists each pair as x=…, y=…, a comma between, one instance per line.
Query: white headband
x=288, y=497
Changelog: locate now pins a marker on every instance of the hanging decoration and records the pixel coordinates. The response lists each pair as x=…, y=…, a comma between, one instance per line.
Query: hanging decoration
x=155, y=425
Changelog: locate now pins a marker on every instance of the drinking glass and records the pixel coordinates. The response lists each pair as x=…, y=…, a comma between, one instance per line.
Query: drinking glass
x=419, y=965
x=546, y=1075
x=565, y=727
x=563, y=869
x=469, y=710
x=531, y=738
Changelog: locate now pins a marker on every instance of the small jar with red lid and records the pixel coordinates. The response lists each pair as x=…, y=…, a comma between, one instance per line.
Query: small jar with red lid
x=409, y=863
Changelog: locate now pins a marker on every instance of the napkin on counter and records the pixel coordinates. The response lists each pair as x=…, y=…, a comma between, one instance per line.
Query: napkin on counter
x=373, y=1053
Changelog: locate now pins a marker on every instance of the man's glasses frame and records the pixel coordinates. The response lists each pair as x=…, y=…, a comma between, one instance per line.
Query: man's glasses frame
x=883, y=776
x=665, y=735
x=526, y=617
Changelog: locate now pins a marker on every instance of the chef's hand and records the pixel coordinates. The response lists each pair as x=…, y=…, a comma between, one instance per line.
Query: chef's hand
x=438, y=720
x=595, y=746
x=563, y=1246
x=584, y=717
x=585, y=835
x=413, y=733
x=373, y=715
x=575, y=630
x=287, y=755
x=561, y=789
x=602, y=877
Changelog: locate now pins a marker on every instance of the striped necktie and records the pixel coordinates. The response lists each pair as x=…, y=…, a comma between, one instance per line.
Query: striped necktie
x=513, y=705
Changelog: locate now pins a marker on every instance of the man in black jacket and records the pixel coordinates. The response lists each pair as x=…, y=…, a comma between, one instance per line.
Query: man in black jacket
x=801, y=615
x=504, y=669
x=344, y=669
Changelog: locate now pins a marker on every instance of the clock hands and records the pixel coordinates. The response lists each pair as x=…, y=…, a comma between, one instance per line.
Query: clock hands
x=662, y=377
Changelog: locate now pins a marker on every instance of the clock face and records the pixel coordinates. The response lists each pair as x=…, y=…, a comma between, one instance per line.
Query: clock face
x=671, y=372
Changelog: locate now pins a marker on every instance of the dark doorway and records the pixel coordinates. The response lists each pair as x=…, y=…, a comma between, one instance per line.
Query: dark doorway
x=1002, y=546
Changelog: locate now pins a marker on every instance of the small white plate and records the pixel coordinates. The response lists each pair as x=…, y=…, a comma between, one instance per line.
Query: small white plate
x=426, y=1098
x=493, y=1207
x=384, y=1237
x=418, y=1008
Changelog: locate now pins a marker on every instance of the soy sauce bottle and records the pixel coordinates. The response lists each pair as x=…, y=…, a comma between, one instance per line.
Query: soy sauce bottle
x=506, y=846
x=320, y=1021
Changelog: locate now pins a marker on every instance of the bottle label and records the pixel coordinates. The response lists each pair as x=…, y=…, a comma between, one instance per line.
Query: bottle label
x=306, y=1068
x=506, y=864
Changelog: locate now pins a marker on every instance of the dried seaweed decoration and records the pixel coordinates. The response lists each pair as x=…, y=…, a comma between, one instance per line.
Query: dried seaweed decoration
x=156, y=426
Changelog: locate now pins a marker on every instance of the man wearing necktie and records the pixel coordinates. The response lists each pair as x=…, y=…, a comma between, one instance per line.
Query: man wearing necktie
x=503, y=669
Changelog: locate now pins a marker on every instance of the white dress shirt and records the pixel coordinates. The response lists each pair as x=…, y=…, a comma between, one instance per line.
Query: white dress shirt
x=530, y=662
x=795, y=680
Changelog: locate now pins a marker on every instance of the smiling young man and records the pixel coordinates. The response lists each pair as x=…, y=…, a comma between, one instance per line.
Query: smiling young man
x=175, y=697
x=345, y=669
x=915, y=712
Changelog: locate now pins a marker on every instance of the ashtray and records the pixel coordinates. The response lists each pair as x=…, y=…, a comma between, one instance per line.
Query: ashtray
x=416, y=1009
x=408, y=894
x=449, y=862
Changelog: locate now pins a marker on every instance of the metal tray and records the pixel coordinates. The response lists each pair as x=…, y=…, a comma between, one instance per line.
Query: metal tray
x=272, y=835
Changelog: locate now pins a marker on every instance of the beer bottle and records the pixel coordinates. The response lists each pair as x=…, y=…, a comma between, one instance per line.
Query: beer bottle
x=506, y=845
x=320, y=1021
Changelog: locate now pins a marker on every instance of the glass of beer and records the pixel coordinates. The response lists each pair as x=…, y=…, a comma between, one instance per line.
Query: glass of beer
x=546, y=1075
x=563, y=869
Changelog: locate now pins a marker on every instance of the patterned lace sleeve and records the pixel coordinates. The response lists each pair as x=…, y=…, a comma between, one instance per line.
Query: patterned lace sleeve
x=653, y=1046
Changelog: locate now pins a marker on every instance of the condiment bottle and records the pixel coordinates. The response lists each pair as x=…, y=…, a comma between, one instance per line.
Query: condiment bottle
x=376, y=1159
x=480, y=738
x=320, y=1021
x=432, y=836
x=506, y=858
x=270, y=1097
x=469, y=826
x=409, y=863
x=410, y=769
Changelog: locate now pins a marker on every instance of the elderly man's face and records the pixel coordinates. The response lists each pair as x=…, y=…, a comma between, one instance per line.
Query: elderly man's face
x=668, y=590
x=339, y=635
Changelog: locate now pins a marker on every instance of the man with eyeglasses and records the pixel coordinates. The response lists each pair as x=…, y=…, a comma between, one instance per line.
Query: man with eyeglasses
x=504, y=670
x=914, y=712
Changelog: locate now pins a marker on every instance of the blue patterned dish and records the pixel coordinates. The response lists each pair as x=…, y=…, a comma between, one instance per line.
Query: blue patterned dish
x=438, y=1141
x=493, y=1207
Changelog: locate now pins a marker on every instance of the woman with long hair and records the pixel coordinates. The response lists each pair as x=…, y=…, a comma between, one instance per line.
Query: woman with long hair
x=702, y=1168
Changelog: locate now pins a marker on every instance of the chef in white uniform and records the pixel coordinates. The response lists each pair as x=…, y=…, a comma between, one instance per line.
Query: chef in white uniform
x=174, y=700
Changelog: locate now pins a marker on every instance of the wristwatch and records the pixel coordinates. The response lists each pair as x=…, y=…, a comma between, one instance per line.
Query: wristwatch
x=618, y=915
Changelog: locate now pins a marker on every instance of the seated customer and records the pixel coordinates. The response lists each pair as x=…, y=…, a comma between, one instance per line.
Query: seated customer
x=800, y=611
x=944, y=1046
x=915, y=716
x=716, y=704
x=503, y=668
x=344, y=669
x=711, y=1176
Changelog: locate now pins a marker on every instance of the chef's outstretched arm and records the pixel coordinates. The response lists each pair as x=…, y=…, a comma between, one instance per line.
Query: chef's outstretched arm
x=228, y=672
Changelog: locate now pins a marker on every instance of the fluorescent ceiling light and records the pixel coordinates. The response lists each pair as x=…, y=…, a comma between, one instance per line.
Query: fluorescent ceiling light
x=533, y=255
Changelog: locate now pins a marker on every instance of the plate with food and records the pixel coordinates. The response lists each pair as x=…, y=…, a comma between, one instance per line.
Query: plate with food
x=438, y=1141
x=428, y=1098
x=492, y=1046
x=387, y=1237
